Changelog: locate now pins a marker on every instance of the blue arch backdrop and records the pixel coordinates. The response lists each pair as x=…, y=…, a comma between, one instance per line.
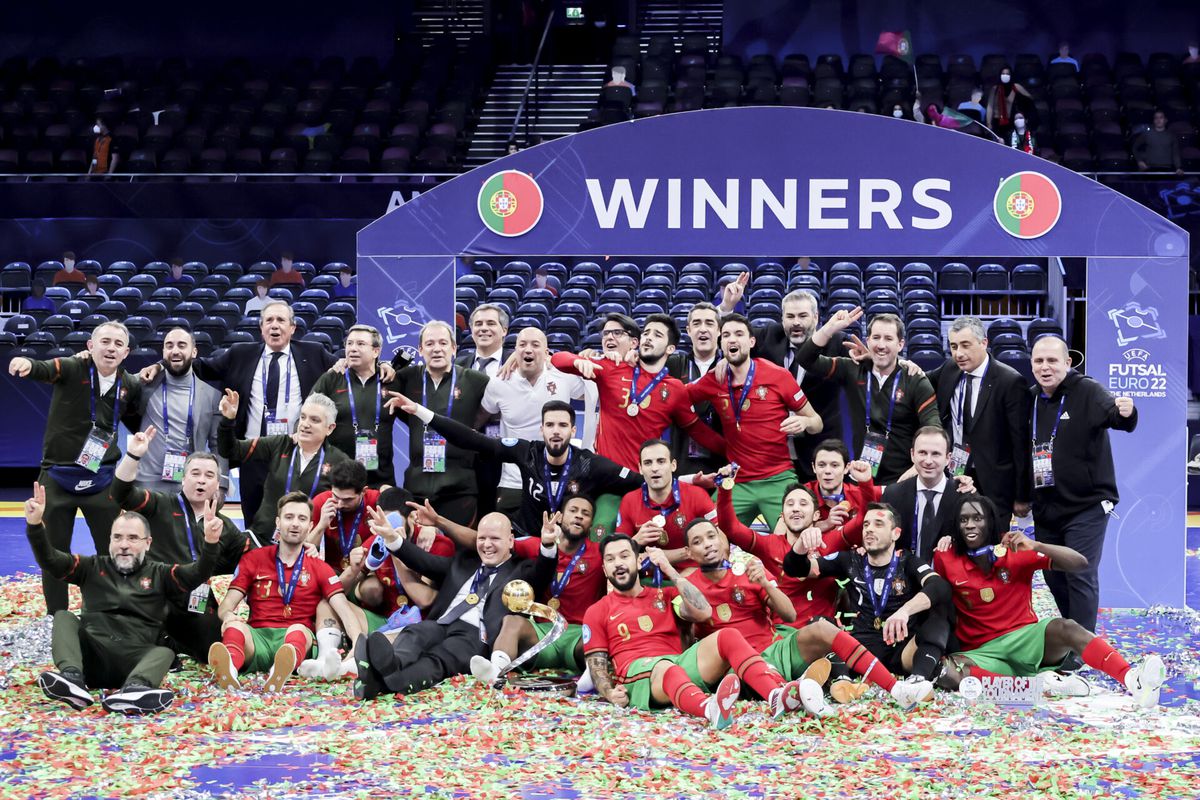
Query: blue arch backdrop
x=768, y=182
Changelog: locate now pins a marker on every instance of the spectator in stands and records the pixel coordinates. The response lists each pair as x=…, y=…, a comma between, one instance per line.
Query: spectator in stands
x=38, y=300
x=91, y=288
x=345, y=287
x=973, y=108
x=68, y=273
x=286, y=274
x=618, y=79
x=177, y=278
x=541, y=280
x=255, y=304
x=105, y=156
x=898, y=111
x=1193, y=56
x=1064, y=56
x=1021, y=137
x=1156, y=149
x=1002, y=103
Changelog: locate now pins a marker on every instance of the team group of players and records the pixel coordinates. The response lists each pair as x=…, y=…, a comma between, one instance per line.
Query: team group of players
x=895, y=568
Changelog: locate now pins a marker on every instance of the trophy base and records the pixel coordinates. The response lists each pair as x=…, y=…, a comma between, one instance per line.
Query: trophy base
x=562, y=686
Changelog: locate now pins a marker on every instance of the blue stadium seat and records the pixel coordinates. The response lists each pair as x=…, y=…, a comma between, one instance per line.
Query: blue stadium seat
x=1041, y=327
x=919, y=296
x=159, y=269
x=471, y=279
x=59, y=294
x=955, y=278
x=846, y=268
x=540, y=296
x=261, y=268
x=763, y=311
x=131, y=296
x=511, y=281
x=882, y=282
x=769, y=269
x=917, y=310
x=326, y=282
x=147, y=283
x=170, y=323
x=77, y=340
x=643, y=309
x=625, y=268
x=844, y=280
x=205, y=297
x=22, y=325
x=881, y=268
x=927, y=359
x=197, y=269
x=521, y=268
x=528, y=309
x=559, y=341
x=230, y=269
x=204, y=343
x=690, y=296
x=113, y=309
x=40, y=340
x=285, y=293
x=734, y=268
x=240, y=294
x=873, y=310
x=924, y=341
x=467, y=294
x=852, y=296
x=1018, y=360
x=991, y=279
x=192, y=312
x=343, y=311
x=589, y=283
x=805, y=280
x=589, y=268
x=333, y=327
x=167, y=294
x=568, y=325
x=622, y=281
x=775, y=282
x=247, y=282
x=124, y=269
x=218, y=283
x=1028, y=279
x=319, y=337
x=214, y=327
x=301, y=309
x=916, y=268
x=58, y=352
x=616, y=295
x=773, y=296
x=153, y=311
x=699, y=268
x=611, y=308
x=109, y=283
x=929, y=327
x=836, y=307
x=236, y=337
x=485, y=269
x=75, y=309
x=229, y=311
x=555, y=269
x=1003, y=325
x=664, y=283
x=525, y=321
x=882, y=296
x=571, y=308
x=658, y=296
x=139, y=327
x=1006, y=341
x=7, y=342
x=910, y=282
x=661, y=269
x=695, y=281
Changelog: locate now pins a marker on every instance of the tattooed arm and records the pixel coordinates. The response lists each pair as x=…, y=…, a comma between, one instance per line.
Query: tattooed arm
x=600, y=666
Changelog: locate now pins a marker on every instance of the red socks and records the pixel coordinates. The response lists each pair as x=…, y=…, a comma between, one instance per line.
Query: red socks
x=860, y=659
x=299, y=643
x=235, y=642
x=1100, y=655
x=685, y=695
x=746, y=663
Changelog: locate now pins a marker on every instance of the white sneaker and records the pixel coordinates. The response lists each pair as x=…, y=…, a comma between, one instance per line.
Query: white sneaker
x=812, y=697
x=784, y=699
x=1144, y=680
x=718, y=709
x=585, y=684
x=329, y=666
x=348, y=667
x=1193, y=466
x=1068, y=684
x=484, y=670
x=309, y=668
x=910, y=691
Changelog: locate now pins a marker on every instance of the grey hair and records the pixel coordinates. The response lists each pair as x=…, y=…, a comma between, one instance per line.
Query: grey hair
x=324, y=403
x=972, y=324
x=803, y=296
x=437, y=323
x=500, y=310
x=373, y=332
x=285, y=304
x=113, y=323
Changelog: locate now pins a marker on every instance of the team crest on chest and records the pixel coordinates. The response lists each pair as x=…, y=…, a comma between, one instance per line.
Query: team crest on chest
x=680, y=520
x=738, y=595
x=552, y=387
x=304, y=578
x=664, y=393
x=899, y=586
x=582, y=567
x=145, y=582
x=573, y=487
x=1003, y=575
x=457, y=392
x=761, y=393
x=899, y=394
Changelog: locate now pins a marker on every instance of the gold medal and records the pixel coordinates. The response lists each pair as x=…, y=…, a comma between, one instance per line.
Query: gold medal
x=987, y=595
x=472, y=599
x=726, y=483
x=999, y=551
x=401, y=601
x=878, y=624
x=746, y=405
x=738, y=568
x=723, y=612
x=554, y=603
x=662, y=539
x=287, y=611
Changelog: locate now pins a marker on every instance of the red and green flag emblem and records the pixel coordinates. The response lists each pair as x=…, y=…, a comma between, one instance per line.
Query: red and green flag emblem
x=1027, y=205
x=510, y=203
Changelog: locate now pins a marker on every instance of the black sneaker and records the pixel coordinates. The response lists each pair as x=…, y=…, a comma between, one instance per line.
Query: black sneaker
x=134, y=700
x=367, y=686
x=65, y=688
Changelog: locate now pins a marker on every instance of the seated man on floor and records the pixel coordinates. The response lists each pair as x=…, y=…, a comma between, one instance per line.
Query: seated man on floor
x=114, y=642
x=463, y=620
x=996, y=626
x=283, y=586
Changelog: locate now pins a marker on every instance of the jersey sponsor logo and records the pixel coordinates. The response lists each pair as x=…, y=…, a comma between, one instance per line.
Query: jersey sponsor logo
x=586, y=633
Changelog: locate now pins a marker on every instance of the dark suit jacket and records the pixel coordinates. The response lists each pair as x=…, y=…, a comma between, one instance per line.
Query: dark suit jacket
x=999, y=431
x=771, y=342
x=233, y=368
x=450, y=573
x=902, y=496
x=681, y=366
x=468, y=359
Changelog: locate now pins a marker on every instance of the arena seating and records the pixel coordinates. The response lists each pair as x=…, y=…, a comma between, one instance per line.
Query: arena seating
x=238, y=116
x=1086, y=120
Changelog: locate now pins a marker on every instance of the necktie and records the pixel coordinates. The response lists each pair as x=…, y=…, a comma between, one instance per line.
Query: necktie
x=485, y=581
x=482, y=364
x=968, y=393
x=271, y=399
x=926, y=517
x=795, y=368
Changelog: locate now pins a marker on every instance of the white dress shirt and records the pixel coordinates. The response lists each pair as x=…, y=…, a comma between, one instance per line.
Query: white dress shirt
x=288, y=376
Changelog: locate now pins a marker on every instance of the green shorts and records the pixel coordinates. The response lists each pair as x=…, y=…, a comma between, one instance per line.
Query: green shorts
x=763, y=497
x=1018, y=653
x=561, y=654
x=784, y=655
x=374, y=621
x=637, y=679
x=267, y=642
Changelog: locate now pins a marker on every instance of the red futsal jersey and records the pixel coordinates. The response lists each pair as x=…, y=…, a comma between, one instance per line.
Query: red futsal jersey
x=584, y=587
x=619, y=436
x=342, y=526
x=629, y=628
x=693, y=502
x=257, y=576
x=991, y=604
x=814, y=597
x=737, y=602
x=752, y=436
x=849, y=535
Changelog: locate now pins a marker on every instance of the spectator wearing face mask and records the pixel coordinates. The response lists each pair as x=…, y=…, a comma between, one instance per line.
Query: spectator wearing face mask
x=973, y=108
x=1021, y=137
x=1002, y=103
x=898, y=111
x=104, y=154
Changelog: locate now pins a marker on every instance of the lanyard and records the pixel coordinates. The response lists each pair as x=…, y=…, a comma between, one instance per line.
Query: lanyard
x=665, y=511
x=425, y=384
x=879, y=602
x=353, y=404
x=891, y=408
x=187, y=521
x=344, y=539
x=746, y=387
x=95, y=389
x=557, y=586
x=554, y=498
x=481, y=574
x=1057, y=417
x=962, y=393
x=292, y=467
x=288, y=593
x=636, y=397
x=271, y=405
x=833, y=499
x=986, y=549
x=714, y=567
x=187, y=431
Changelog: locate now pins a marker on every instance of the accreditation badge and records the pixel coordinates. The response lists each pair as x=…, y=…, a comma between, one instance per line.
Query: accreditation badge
x=94, y=448
x=433, y=454
x=366, y=451
x=872, y=450
x=198, y=599
x=172, y=469
x=959, y=457
x=277, y=427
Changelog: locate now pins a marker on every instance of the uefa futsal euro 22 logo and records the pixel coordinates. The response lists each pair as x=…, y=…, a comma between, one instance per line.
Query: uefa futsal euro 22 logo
x=401, y=321
x=1139, y=376
x=1135, y=324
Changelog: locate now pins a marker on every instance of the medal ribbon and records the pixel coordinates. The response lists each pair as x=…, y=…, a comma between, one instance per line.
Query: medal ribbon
x=378, y=401
x=554, y=498
x=962, y=394
x=666, y=511
x=557, y=586
x=346, y=538
x=425, y=385
x=292, y=469
x=636, y=397
x=481, y=574
x=290, y=591
x=986, y=549
x=746, y=387
x=714, y=567
x=879, y=603
x=271, y=405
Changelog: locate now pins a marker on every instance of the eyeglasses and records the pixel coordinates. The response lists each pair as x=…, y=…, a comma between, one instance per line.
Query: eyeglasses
x=120, y=537
x=616, y=333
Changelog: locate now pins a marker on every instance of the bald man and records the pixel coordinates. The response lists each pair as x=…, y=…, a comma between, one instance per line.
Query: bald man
x=517, y=401
x=1074, y=481
x=465, y=618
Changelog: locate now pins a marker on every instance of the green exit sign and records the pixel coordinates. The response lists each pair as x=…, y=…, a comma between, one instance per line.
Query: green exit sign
x=574, y=12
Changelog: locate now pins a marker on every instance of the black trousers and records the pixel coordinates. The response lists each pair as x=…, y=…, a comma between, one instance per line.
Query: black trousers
x=105, y=663
x=428, y=653
x=930, y=628
x=253, y=479
x=1077, y=594
x=192, y=634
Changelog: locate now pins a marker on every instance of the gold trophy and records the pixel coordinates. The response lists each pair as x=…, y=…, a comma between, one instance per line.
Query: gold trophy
x=518, y=598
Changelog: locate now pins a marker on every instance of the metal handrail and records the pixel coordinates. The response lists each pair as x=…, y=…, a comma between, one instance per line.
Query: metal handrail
x=537, y=58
